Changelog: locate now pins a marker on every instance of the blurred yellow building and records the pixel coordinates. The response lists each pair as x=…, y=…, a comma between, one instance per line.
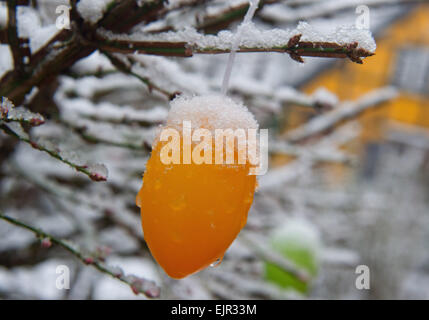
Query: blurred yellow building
x=401, y=60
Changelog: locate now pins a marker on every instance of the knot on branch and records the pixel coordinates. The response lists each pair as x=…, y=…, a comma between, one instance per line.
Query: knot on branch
x=297, y=49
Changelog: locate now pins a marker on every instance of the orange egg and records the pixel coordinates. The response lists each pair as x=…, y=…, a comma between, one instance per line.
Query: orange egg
x=191, y=213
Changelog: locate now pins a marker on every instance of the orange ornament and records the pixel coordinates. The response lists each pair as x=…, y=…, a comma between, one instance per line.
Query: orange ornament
x=191, y=213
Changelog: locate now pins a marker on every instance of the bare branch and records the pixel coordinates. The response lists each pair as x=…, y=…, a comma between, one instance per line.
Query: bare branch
x=128, y=70
x=85, y=169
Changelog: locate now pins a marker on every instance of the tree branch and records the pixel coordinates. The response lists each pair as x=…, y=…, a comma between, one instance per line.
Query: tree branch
x=128, y=70
x=85, y=169
x=68, y=47
x=342, y=113
x=122, y=15
x=294, y=47
x=221, y=20
x=93, y=139
x=8, y=113
x=137, y=284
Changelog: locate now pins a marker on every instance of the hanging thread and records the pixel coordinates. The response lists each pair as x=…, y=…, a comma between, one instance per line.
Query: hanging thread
x=253, y=5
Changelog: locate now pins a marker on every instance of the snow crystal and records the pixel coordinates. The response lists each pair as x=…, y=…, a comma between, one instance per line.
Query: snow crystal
x=252, y=37
x=210, y=112
x=92, y=10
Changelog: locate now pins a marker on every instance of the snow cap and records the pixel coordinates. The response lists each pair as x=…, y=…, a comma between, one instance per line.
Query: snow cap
x=210, y=112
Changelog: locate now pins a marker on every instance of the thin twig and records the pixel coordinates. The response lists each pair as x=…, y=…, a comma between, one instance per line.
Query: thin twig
x=137, y=284
x=221, y=20
x=294, y=47
x=340, y=114
x=128, y=70
x=9, y=113
x=60, y=192
x=90, y=138
x=31, y=122
x=95, y=176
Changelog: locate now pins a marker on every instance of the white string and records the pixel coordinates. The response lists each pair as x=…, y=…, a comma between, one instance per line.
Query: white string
x=247, y=19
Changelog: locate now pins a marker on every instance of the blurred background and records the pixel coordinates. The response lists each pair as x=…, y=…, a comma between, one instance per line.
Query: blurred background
x=348, y=183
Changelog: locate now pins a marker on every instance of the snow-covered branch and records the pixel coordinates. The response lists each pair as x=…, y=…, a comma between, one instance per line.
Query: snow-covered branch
x=344, y=112
x=302, y=41
x=69, y=46
x=10, y=113
x=265, y=253
x=333, y=156
x=127, y=67
x=137, y=284
x=93, y=138
x=102, y=88
x=96, y=172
